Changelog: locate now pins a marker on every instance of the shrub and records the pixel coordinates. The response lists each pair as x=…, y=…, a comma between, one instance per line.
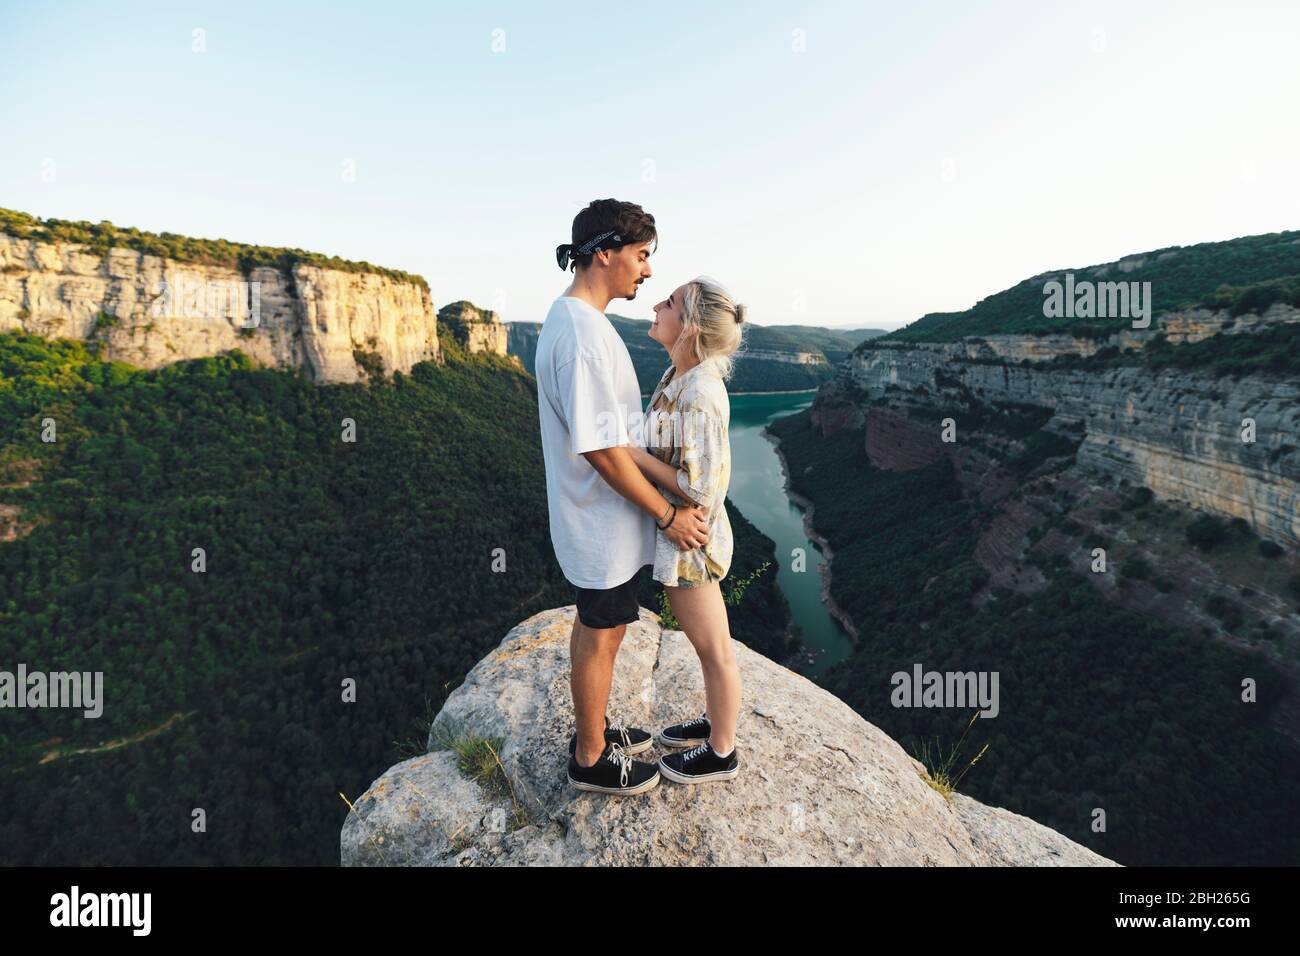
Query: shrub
x=1137, y=568
x=1142, y=496
x=1206, y=532
x=372, y=363
x=1227, y=611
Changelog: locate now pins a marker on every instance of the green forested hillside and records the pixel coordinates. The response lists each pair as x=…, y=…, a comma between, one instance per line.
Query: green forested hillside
x=835, y=344
x=1100, y=707
x=1270, y=352
x=1209, y=273
x=326, y=560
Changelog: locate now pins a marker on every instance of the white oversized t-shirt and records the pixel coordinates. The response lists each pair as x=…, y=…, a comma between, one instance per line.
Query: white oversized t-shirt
x=588, y=397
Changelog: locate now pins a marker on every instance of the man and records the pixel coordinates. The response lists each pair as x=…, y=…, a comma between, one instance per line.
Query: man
x=603, y=511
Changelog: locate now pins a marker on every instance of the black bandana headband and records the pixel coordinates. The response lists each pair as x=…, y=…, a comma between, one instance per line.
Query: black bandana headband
x=564, y=253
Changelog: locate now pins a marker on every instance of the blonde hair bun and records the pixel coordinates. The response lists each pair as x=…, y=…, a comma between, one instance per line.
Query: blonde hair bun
x=710, y=309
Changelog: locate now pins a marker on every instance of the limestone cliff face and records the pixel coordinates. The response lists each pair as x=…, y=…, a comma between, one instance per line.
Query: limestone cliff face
x=477, y=329
x=149, y=311
x=790, y=358
x=521, y=341
x=818, y=785
x=1179, y=433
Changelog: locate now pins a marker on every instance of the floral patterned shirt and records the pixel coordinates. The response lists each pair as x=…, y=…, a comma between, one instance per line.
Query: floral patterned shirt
x=686, y=426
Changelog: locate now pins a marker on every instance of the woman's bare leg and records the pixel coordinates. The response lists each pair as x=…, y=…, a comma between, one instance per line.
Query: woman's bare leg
x=703, y=616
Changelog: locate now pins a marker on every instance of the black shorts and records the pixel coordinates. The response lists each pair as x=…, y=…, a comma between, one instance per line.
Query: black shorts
x=610, y=607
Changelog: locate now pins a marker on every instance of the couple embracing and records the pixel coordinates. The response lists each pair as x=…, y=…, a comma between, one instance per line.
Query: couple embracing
x=627, y=489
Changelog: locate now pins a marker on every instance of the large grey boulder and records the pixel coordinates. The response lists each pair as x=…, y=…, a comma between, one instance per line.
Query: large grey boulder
x=818, y=784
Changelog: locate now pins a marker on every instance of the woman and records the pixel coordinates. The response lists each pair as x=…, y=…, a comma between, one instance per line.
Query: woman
x=688, y=455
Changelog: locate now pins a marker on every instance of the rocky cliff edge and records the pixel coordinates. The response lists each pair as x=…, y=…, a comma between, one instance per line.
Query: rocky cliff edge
x=818, y=784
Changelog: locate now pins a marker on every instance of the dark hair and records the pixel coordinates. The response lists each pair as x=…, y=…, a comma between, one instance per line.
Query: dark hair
x=632, y=223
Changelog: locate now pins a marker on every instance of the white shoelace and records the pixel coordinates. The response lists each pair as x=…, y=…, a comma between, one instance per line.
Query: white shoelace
x=621, y=760
x=695, y=751
x=622, y=732
x=702, y=719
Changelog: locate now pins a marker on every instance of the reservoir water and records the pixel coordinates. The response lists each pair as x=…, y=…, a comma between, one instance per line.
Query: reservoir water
x=757, y=489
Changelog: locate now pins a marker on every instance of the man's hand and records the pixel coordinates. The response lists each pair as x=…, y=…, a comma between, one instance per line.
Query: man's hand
x=689, y=530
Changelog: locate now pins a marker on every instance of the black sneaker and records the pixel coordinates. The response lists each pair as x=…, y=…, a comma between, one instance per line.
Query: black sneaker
x=692, y=733
x=614, y=772
x=632, y=740
x=699, y=765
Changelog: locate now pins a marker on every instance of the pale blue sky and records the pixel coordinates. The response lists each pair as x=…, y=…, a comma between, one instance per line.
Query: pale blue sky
x=910, y=158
